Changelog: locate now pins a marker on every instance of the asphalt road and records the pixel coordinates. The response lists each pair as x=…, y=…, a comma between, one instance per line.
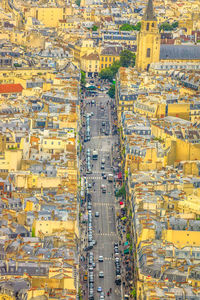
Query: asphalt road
x=104, y=203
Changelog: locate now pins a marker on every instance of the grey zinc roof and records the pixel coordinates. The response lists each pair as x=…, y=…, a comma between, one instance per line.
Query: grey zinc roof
x=179, y=52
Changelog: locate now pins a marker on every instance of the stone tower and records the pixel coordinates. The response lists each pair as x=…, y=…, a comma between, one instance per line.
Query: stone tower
x=148, y=40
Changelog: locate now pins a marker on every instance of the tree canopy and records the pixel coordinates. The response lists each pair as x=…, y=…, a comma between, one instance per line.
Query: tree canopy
x=127, y=59
x=83, y=81
x=168, y=27
x=106, y=74
x=78, y=2
x=111, y=91
x=128, y=27
x=94, y=28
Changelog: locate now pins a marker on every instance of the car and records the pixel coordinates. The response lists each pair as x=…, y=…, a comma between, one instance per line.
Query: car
x=91, y=279
x=93, y=102
x=116, y=259
x=103, y=123
x=99, y=289
x=97, y=214
x=94, y=242
x=88, y=248
x=118, y=272
x=102, y=167
x=89, y=186
x=91, y=285
x=101, y=274
x=90, y=245
x=94, y=265
x=90, y=268
x=104, y=176
x=90, y=238
x=100, y=258
x=101, y=298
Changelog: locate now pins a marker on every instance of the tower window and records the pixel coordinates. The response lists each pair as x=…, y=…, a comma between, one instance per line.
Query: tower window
x=147, y=28
x=148, y=52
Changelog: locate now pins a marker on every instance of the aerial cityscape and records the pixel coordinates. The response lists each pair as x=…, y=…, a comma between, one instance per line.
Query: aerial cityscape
x=99, y=149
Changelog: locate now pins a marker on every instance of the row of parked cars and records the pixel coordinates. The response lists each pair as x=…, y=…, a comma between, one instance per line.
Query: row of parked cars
x=87, y=133
x=117, y=264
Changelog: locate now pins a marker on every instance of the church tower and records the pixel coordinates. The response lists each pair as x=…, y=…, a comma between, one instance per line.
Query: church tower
x=148, y=40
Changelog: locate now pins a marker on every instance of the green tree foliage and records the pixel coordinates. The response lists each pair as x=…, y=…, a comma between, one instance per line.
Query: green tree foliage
x=115, y=67
x=83, y=81
x=111, y=91
x=78, y=2
x=168, y=27
x=127, y=59
x=128, y=27
x=121, y=192
x=106, y=74
x=94, y=28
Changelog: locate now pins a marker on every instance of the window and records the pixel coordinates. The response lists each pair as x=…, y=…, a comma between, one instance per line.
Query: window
x=102, y=65
x=113, y=58
x=102, y=58
x=152, y=25
x=105, y=65
x=148, y=52
x=106, y=59
x=147, y=28
x=109, y=58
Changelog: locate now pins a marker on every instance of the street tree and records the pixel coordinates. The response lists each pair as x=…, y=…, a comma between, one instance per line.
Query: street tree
x=106, y=74
x=111, y=91
x=127, y=59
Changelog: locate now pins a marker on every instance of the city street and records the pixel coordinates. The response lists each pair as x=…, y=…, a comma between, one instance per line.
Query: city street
x=104, y=226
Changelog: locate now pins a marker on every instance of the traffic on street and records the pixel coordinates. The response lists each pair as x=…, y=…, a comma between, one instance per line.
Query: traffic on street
x=101, y=270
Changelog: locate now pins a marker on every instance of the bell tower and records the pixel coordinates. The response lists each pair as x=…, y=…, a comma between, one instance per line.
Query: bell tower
x=148, y=40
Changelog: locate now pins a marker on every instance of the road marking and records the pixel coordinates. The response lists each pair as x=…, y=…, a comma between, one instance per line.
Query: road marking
x=106, y=234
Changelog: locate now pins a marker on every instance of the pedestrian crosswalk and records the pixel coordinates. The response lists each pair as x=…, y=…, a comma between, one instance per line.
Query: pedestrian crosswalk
x=106, y=234
x=103, y=204
x=94, y=177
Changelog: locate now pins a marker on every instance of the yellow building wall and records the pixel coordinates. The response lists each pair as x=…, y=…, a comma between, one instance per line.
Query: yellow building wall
x=11, y=160
x=49, y=227
x=49, y=16
x=182, y=238
x=107, y=60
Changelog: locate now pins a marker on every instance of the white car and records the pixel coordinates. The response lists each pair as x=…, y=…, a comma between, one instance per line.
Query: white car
x=100, y=258
x=101, y=274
